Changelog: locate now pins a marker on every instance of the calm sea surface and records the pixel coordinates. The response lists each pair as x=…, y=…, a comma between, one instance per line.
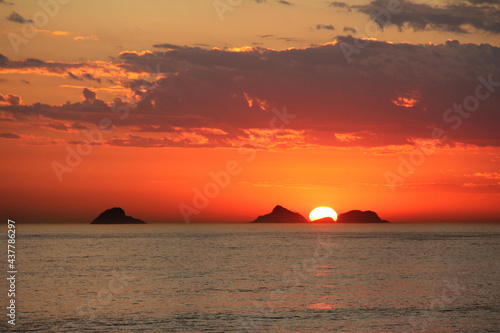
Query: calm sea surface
x=256, y=278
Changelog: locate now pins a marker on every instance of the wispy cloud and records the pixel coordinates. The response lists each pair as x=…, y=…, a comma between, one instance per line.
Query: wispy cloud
x=339, y=4
x=17, y=18
x=325, y=27
x=9, y=136
x=95, y=38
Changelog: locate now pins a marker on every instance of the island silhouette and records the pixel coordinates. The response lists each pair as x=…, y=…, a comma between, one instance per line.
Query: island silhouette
x=357, y=216
x=282, y=215
x=116, y=215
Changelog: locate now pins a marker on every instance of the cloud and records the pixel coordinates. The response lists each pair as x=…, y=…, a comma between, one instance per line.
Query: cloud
x=84, y=75
x=95, y=69
x=338, y=4
x=94, y=38
x=78, y=126
x=73, y=76
x=486, y=175
x=10, y=99
x=169, y=46
x=32, y=64
x=325, y=27
x=287, y=39
x=389, y=95
x=59, y=33
x=406, y=102
x=9, y=136
x=59, y=125
x=453, y=17
x=15, y=17
x=254, y=138
x=55, y=32
x=348, y=137
x=282, y=2
x=65, y=126
x=222, y=87
x=181, y=139
x=89, y=95
x=481, y=2
x=91, y=77
x=3, y=60
x=350, y=29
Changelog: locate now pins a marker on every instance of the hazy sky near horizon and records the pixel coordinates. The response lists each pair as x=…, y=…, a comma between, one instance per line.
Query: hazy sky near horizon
x=391, y=106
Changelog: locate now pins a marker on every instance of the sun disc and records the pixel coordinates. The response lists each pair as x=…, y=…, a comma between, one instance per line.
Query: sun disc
x=322, y=212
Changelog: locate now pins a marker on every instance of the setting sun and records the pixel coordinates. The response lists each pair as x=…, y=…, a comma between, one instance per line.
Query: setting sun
x=322, y=212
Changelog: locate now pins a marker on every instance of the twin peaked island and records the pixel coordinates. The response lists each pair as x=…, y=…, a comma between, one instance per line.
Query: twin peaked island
x=278, y=215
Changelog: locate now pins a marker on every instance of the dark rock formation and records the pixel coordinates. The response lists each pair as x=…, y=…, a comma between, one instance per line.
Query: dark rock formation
x=357, y=216
x=116, y=216
x=281, y=215
x=324, y=220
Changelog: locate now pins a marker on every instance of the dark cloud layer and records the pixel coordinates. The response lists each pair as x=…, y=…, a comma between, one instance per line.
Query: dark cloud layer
x=453, y=16
x=33, y=64
x=389, y=94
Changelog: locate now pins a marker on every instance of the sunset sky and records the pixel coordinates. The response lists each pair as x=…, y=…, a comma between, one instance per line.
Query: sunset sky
x=390, y=106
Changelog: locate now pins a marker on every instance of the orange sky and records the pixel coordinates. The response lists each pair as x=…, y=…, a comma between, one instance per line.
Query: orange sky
x=142, y=107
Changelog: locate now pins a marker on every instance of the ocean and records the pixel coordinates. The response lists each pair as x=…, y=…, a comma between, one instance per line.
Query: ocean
x=256, y=278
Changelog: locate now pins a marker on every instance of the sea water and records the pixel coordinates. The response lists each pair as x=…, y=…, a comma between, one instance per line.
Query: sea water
x=256, y=278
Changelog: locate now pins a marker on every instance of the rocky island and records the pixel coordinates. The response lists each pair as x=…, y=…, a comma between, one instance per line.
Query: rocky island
x=116, y=216
x=324, y=220
x=281, y=215
x=357, y=216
